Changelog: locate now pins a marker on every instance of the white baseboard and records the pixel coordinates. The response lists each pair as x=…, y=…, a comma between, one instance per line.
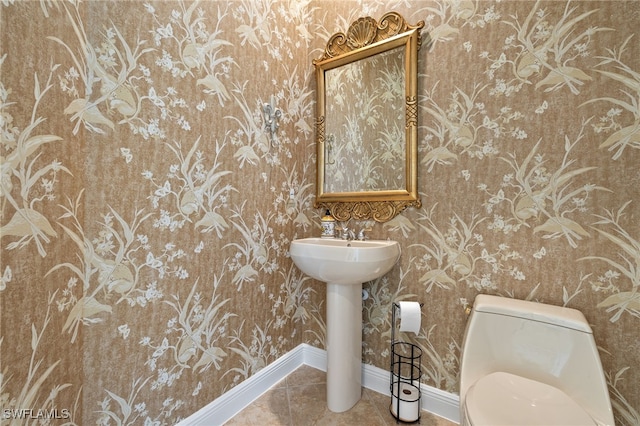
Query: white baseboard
x=232, y=402
x=219, y=411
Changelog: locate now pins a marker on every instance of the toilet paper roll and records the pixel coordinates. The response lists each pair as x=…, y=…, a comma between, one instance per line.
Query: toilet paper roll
x=410, y=316
x=408, y=397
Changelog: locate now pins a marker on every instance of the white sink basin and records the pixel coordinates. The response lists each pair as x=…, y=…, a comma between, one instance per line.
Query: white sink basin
x=344, y=262
x=344, y=266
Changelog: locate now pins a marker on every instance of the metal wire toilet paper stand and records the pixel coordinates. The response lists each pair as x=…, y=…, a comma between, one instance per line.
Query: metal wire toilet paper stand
x=406, y=370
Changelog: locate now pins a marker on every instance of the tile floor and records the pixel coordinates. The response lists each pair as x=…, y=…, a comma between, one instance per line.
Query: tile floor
x=300, y=400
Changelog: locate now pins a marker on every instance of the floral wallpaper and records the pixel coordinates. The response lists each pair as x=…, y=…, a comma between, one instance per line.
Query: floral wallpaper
x=146, y=213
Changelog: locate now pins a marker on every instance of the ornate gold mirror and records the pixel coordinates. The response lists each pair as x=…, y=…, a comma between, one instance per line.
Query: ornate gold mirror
x=367, y=120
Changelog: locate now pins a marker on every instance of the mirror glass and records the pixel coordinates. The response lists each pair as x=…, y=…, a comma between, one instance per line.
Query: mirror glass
x=366, y=127
x=365, y=146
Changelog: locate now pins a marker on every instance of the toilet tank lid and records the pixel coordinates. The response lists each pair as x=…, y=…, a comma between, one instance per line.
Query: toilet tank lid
x=555, y=315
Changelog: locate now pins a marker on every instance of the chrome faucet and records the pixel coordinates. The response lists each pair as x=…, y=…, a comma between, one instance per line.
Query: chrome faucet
x=347, y=234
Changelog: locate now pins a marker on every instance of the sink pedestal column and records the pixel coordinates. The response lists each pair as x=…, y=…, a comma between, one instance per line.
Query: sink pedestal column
x=344, y=346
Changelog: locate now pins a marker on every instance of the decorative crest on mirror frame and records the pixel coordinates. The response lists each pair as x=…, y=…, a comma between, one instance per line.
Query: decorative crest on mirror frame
x=366, y=31
x=362, y=33
x=380, y=211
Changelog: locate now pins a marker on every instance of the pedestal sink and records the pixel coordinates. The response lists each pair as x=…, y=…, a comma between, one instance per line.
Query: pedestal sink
x=344, y=266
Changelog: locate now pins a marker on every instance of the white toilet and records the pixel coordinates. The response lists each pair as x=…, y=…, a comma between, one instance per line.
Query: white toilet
x=526, y=363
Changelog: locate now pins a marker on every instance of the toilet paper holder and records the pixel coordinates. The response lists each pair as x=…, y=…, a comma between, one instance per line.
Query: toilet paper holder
x=406, y=371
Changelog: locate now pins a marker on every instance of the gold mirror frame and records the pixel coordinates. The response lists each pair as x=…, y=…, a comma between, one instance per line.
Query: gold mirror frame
x=364, y=39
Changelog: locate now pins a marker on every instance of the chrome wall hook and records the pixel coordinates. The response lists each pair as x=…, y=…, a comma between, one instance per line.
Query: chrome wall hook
x=271, y=116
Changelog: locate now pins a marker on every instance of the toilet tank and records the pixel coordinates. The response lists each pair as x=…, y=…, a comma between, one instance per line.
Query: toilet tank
x=549, y=344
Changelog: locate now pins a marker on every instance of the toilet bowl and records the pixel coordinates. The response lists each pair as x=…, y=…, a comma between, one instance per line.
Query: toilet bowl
x=526, y=363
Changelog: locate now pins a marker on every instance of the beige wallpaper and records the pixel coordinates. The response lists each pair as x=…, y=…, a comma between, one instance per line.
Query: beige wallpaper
x=146, y=214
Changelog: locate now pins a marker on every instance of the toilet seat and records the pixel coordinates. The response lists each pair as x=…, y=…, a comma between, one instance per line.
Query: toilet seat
x=506, y=399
